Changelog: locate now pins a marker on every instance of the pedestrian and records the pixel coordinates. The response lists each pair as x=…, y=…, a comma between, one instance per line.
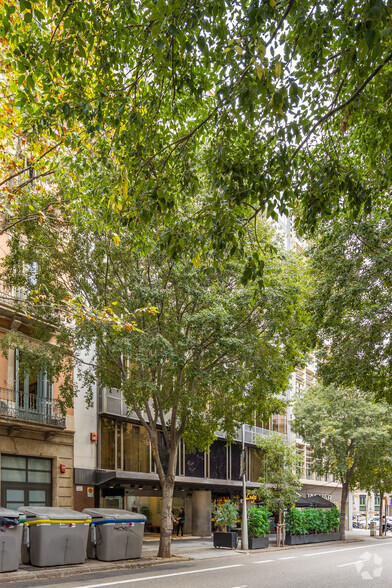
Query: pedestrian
x=180, y=522
x=172, y=521
x=383, y=524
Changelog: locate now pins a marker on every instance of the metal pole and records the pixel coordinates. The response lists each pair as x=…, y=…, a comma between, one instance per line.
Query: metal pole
x=244, y=526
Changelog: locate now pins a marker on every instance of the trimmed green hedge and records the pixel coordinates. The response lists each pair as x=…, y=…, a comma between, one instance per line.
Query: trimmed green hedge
x=307, y=521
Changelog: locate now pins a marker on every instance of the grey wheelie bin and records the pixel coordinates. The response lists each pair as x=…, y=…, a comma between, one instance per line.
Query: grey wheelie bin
x=11, y=529
x=115, y=534
x=54, y=536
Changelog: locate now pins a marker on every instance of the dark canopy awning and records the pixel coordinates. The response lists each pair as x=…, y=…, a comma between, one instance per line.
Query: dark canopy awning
x=314, y=502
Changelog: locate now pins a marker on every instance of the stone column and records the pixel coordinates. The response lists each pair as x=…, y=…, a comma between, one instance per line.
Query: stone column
x=201, y=513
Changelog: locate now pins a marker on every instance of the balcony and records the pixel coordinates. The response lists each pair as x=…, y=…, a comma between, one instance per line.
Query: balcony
x=10, y=295
x=111, y=402
x=30, y=407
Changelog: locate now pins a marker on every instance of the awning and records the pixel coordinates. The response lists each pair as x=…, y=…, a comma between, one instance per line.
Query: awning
x=314, y=502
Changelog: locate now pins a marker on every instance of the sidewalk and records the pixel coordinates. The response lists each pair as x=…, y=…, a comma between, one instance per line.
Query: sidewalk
x=183, y=549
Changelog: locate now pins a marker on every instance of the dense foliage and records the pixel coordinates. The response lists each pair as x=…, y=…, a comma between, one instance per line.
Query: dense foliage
x=312, y=520
x=207, y=353
x=258, y=521
x=350, y=436
x=278, y=477
x=226, y=515
x=352, y=303
x=262, y=105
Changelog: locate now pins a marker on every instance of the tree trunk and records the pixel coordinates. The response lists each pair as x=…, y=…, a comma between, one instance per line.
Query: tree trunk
x=342, y=526
x=167, y=504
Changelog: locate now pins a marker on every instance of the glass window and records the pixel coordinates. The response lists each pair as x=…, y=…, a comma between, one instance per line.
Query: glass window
x=235, y=461
x=37, y=496
x=377, y=502
x=194, y=464
x=136, y=448
x=13, y=475
x=362, y=502
x=38, y=477
x=11, y=461
x=35, y=463
x=254, y=464
x=31, y=483
x=218, y=463
x=15, y=496
x=107, y=444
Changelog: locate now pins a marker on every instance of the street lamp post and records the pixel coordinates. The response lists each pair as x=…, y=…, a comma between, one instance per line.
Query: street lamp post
x=244, y=526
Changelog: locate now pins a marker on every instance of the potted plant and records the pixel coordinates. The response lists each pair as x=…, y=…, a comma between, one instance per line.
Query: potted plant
x=225, y=517
x=312, y=525
x=258, y=527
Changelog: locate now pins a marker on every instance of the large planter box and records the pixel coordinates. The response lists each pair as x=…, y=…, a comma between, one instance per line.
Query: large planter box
x=222, y=539
x=258, y=542
x=317, y=538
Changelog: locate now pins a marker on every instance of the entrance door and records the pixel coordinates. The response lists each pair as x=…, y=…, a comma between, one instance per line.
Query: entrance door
x=25, y=481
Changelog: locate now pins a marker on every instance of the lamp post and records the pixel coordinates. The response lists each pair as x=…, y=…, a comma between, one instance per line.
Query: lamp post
x=244, y=526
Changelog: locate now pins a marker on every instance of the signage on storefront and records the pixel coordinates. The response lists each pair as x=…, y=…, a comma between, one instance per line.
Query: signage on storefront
x=90, y=492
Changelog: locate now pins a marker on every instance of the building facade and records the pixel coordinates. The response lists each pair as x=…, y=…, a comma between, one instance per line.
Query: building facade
x=36, y=438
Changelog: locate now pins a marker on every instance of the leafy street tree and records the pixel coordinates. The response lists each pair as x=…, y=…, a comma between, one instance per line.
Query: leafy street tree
x=261, y=104
x=351, y=304
x=279, y=476
x=350, y=436
x=213, y=353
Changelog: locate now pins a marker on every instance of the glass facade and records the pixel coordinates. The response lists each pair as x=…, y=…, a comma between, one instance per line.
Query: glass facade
x=136, y=448
x=124, y=446
x=254, y=466
x=108, y=444
x=235, y=451
x=218, y=460
x=194, y=464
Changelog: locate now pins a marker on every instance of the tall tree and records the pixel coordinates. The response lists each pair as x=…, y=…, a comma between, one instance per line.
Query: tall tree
x=352, y=302
x=350, y=436
x=279, y=477
x=214, y=352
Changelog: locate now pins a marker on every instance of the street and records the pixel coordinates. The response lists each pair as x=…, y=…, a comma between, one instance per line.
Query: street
x=321, y=566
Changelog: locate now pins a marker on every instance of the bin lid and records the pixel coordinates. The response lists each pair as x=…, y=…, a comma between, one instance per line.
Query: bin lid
x=114, y=514
x=52, y=513
x=7, y=512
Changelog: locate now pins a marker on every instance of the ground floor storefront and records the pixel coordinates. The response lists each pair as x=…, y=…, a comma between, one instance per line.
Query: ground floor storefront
x=36, y=466
x=142, y=493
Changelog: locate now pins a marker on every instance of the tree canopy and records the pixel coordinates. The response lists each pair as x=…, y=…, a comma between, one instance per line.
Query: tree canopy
x=263, y=105
x=280, y=483
x=351, y=303
x=350, y=436
x=207, y=352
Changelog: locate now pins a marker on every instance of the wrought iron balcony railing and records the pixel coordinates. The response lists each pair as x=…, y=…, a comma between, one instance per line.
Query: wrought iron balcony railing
x=26, y=406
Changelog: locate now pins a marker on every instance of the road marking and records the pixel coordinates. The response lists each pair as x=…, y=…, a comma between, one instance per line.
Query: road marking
x=291, y=557
x=346, y=549
x=353, y=563
x=162, y=576
x=264, y=561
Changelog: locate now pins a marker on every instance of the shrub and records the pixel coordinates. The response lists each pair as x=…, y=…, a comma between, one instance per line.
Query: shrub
x=226, y=515
x=258, y=521
x=312, y=520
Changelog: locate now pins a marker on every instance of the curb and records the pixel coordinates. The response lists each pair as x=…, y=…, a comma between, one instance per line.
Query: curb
x=30, y=573
x=33, y=573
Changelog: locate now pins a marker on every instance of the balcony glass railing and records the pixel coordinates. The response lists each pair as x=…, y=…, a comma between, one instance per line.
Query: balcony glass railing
x=30, y=407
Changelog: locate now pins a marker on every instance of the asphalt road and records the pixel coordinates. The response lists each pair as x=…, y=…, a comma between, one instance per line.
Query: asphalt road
x=322, y=566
